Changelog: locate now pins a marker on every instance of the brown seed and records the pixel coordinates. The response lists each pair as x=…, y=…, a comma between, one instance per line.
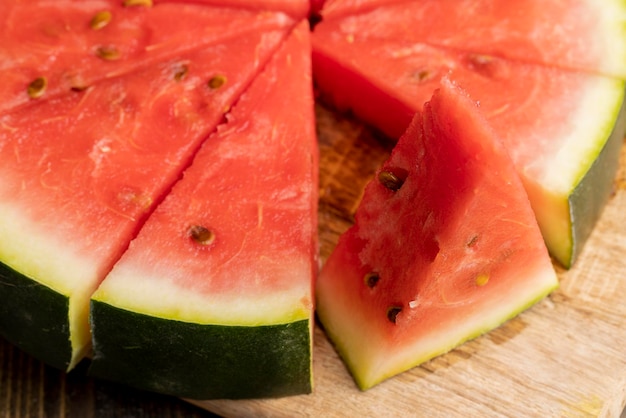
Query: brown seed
x=371, y=279
x=392, y=313
x=108, y=53
x=130, y=3
x=180, y=72
x=37, y=87
x=216, y=82
x=472, y=241
x=422, y=75
x=201, y=235
x=100, y=20
x=390, y=180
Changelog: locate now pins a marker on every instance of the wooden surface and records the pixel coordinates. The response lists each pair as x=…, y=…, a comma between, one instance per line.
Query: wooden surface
x=565, y=357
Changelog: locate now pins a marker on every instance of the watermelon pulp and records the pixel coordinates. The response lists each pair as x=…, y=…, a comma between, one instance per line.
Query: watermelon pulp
x=445, y=247
x=225, y=264
x=567, y=124
x=70, y=203
x=62, y=43
x=584, y=35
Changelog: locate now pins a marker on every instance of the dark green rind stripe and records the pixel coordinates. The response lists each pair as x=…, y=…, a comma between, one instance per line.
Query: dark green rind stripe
x=200, y=361
x=35, y=318
x=592, y=193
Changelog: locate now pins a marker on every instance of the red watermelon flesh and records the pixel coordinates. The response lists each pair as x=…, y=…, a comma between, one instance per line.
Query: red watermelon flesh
x=333, y=9
x=57, y=40
x=554, y=122
x=452, y=253
x=583, y=35
x=80, y=173
x=298, y=9
x=232, y=248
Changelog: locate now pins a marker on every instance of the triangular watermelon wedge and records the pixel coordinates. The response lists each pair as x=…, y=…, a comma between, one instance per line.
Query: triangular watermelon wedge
x=562, y=128
x=214, y=298
x=445, y=247
x=81, y=172
x=49, y=47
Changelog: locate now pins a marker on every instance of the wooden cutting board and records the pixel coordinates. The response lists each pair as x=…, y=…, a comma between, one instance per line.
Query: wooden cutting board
x=565, y=357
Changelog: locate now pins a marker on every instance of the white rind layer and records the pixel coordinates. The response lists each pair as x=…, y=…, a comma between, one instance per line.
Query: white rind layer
x=157, y=292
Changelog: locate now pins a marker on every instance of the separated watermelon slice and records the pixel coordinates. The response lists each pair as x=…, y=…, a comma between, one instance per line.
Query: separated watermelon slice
x=562, y=128
x=584, y=35
x=80, y=173
x=445, y=247
x=214, y=297
x=50, y=47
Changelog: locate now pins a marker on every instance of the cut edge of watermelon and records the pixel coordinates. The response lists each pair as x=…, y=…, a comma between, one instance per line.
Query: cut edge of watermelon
x=360, y=355
x=568, y=208
x=588, y=199
x=272, y=308
x=61, y=283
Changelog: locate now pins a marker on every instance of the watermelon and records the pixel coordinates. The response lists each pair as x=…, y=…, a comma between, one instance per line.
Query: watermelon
x=80, y=173
x=445, y=247
x=214, y=297
x=572, y=119
x=48, y=48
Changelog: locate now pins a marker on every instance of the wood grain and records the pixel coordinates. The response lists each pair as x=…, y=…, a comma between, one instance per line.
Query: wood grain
x=565, y=357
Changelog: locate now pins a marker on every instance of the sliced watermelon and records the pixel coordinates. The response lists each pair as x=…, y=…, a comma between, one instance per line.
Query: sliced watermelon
x=445, y=247
x=50, y=47
x=213, y=299
x=558, y=125
x=80, y=173
x=585, y=35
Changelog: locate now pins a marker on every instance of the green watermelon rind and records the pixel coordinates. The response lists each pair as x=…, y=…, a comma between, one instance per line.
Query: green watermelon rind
x=39, y=281
x=35, y=318
x=201, y=361
x=590, y=195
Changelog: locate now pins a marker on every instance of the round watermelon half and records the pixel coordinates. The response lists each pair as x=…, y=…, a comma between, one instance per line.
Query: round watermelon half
x=80, y=173
x=562, y=128
x=445, y=247
x=214, y=297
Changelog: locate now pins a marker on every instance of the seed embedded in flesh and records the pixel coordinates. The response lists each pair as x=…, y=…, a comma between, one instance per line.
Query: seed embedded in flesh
x=422, y=75
x=472, y=241
x=392, y=313
x=371, y=279
x=201, y=235
x=482, y=279
x=216, y=82
x=181, y=72
x=108, y=53
x=390, y=180
x=130, y=3
x=37, y=87
x=100, y=20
